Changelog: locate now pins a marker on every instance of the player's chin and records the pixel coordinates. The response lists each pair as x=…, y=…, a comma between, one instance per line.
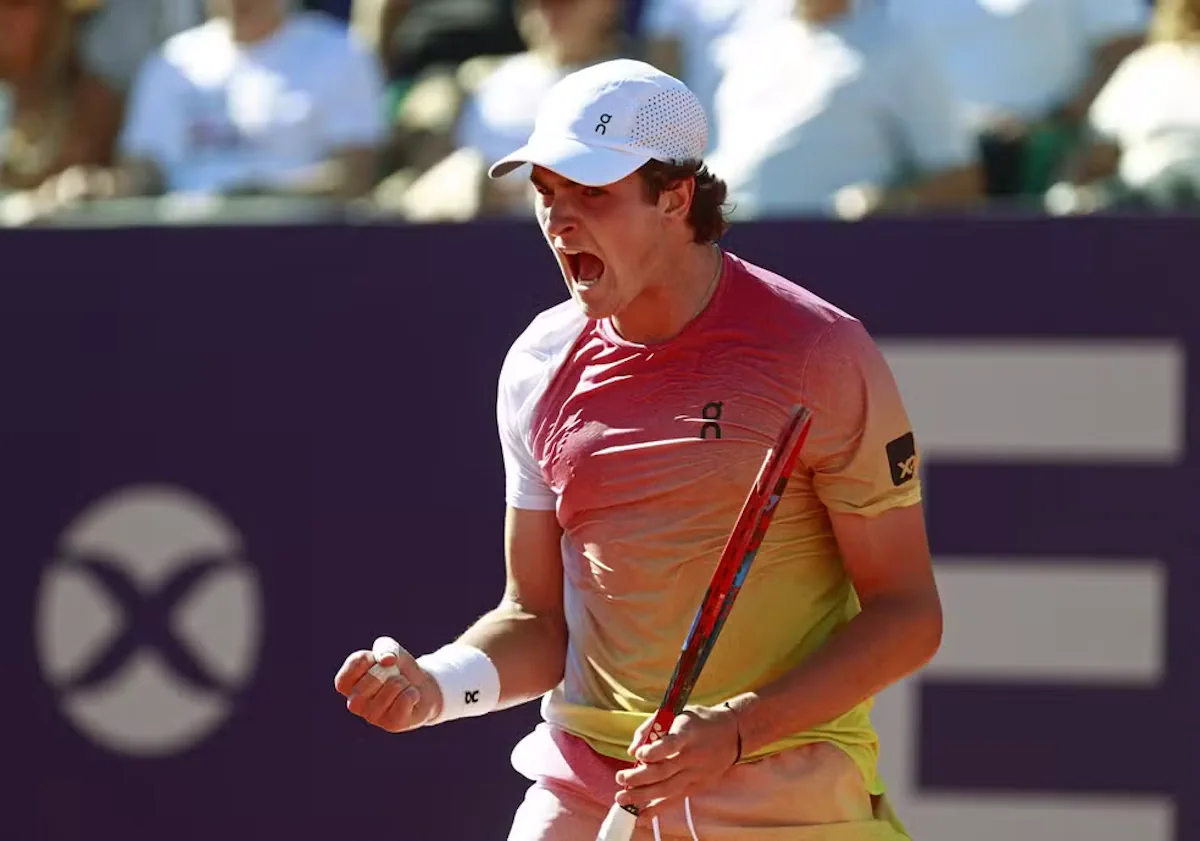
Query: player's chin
x=595, y=299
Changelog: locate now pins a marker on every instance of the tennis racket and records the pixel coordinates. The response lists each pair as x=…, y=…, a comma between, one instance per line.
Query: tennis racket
x=723, y=588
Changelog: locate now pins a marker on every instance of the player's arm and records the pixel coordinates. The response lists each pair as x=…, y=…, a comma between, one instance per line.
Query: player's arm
x=898, y=630
x=525, y=636
x=863, y=457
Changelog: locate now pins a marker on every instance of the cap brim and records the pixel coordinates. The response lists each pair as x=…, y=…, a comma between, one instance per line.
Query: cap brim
x=592, y=166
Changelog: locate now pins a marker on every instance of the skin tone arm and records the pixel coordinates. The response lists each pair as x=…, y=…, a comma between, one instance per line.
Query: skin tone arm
x=897, y=632
x=526, y=635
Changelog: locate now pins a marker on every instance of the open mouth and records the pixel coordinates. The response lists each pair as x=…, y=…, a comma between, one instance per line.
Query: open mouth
x=585, y=267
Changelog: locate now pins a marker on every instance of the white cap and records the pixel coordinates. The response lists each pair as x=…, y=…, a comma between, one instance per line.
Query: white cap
x=601, y=123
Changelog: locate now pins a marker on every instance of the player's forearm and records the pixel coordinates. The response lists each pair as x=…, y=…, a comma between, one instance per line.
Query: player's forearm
x=529, y=650
x=892, y=637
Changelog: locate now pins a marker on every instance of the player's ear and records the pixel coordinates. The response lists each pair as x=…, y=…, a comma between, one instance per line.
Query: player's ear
x=676, y=197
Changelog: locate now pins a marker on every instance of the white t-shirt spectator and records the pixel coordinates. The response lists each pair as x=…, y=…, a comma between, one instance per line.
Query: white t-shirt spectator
x=697, y=25
x=805, y=111
x=215, y=114
x=1018, y=58
x=1150, y=108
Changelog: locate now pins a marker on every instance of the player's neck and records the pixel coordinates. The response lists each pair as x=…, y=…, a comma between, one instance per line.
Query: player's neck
x=689, y=281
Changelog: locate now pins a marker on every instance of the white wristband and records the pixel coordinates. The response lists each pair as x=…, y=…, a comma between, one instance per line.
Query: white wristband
x=468, y=679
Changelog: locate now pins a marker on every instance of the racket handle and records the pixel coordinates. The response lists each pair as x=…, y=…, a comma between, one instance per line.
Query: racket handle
x=659, y=727
x=618, y=825
x=620, y=822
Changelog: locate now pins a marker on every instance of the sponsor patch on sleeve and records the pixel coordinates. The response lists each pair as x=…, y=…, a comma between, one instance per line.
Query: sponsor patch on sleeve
x=902, y=459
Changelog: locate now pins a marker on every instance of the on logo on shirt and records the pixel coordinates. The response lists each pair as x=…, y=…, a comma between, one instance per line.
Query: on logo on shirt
x=711, y=414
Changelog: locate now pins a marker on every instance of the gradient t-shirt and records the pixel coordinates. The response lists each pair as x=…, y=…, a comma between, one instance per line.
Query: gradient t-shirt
x=647, y=452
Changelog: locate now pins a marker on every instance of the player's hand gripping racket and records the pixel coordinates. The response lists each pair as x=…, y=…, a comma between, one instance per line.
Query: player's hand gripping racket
x=726, y=582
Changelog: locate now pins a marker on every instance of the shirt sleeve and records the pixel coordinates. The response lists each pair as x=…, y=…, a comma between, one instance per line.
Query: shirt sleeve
x=861, y=448
x=155, y=125
x=355, y=112
x=524, y=484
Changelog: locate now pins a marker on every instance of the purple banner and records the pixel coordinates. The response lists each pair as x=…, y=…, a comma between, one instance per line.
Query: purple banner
x=234, y=456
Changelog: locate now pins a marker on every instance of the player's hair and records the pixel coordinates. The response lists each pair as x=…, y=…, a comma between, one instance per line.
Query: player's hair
x=1176, y=21
x=707, y=213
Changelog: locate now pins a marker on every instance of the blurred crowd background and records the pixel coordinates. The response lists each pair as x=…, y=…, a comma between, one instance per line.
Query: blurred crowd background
x=395, y=108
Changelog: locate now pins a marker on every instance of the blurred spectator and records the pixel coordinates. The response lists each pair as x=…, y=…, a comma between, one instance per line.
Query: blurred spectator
x=1145, y=124
x=1025, y=73
x=257, y=101
x=122, y=34
x=422, y=44
x=837, y=111
x=58, y=115
x=412, y=36
x=498, y=115
x=339, y=9
x=681, y=35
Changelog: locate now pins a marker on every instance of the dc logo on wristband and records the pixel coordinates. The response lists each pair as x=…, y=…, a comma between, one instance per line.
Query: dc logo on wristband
x=469, y=681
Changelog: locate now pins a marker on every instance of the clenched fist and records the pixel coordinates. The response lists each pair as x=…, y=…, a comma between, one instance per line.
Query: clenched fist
x=387, y=688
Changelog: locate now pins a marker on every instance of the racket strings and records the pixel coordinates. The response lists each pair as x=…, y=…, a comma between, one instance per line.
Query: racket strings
x=687, y=811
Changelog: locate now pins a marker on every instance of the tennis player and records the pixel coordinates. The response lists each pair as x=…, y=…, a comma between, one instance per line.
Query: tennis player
x=633, y=419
